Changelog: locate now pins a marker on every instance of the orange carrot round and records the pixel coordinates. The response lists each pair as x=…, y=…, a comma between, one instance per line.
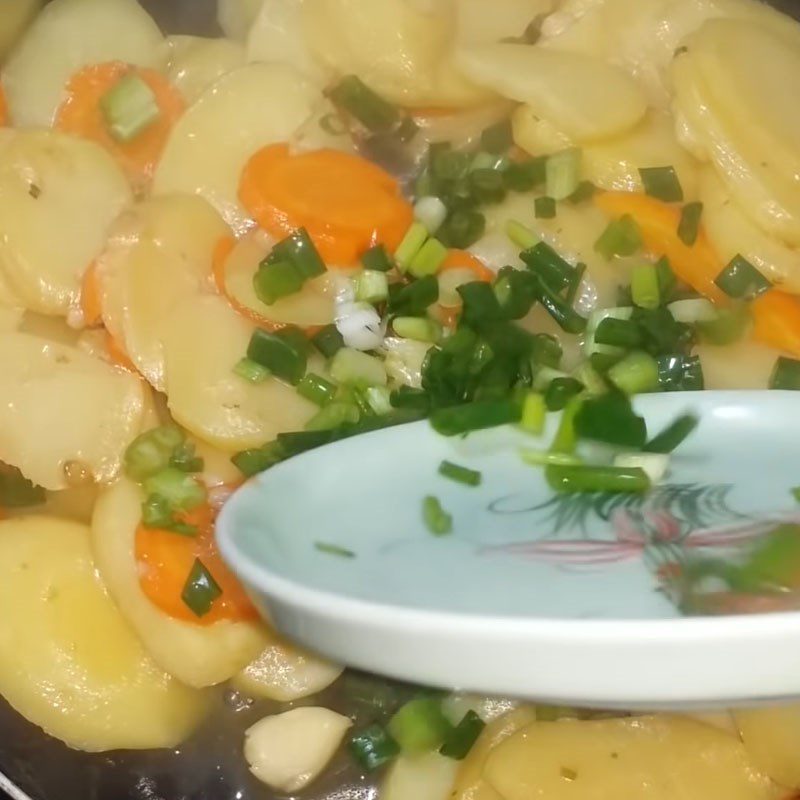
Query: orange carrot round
x=80, y=114
x=165, y=560
x=459, y=267
x=346, y=203
x=776, y=321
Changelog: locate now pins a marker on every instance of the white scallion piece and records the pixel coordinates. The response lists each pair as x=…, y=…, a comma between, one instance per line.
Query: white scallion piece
x=655, y=465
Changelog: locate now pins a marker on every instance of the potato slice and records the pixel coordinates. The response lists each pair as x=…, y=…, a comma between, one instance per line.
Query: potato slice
x=11, y=307
x=426, y=777
x=649, y=758
x=770, y=737
x=236, y=16
x=58, y=196
x=59, y=405
x=195, y=63
x=17, y=15
x=206, y=397
x=478, y=22
x=159, y=252
x=69, y=35
x=69, y=662
x=585, y=97
x=196, y=655
x=246, y=110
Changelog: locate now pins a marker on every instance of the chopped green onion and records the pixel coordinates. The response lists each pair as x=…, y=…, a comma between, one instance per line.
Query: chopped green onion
x=334, y=550
x=461, y=739
x=673, y=435
x=523, y=176
x=566, y=438
x=484, y=160
x=459, y=474
x=200, y=590
x=418, y=328
x=534, y=413
x=150, y=452
x=181, y=491
x=156, y=512
x=520, y=235
x=282, y=353
x=377, y=259
x=419, y=725
x=274, y=280
x=593, y=382
x=354, y=368
x=250, y=371
x=693, y=310
x=334, y=415
x=369, y=108
x=480, y=304
x=129, y=108
x=546, y=350
x=560, y=391
x=645, y=289
x=474, y=416
x=412, y=243
x=487, y=185
x=636, y=373
x=666, y=279
x=596, y=319
x=328, y=341
x=406, y=397
x=463, y=228
x=580, y=479
x=741, y=280
x=585, y=190
x=621, y=237
x=544, y=207
x=560, y=310
x=299, y=249
x=610, y=418
x=372, y=287
x=545, y=458
x=514, y=292
x=689, y=226
x=497, y=138
x=186, y=459
x=562, y=173
x=431, y=212
x=662, y=183
x=618, y=333
x=16, y=491
x=406, y=130
x=446, y=164
x=654, y=465
x=428, y=259
x=543, y=260
x=436, y=519
x=680, y=373
x=728, y=326
x=251, y=462
x=373, y=747
x=316, y=389
x=785, y=374
x=415, y=297
x=379, y=399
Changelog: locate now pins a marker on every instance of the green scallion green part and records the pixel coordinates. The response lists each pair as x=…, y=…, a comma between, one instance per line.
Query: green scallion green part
x=250, y=371
x=462, y=228
x=258, y=459
x=419, y=726
x=334, y=550
x=486, y=185
x=150, y=452
x=299, y=249
x=377, y=259
x=666, y=279
x=420, y=329
x=462, y=738
x=497, y=138
x=635, y=374
x=523, y=176
x=373, y=747
x=415, y=297
x=315, y=388
x=622, y=237
x=181, y=490
x=328, y=341
x=557, y=273
x=584, y=191
x=614, y=332
x=610, y=418
x=156, y=512
x=355, y=368
x=185, y=458
x=474, y=416
x=459, y=474
x=200, y=590
x=673, y=435
x=372, y=286
x=645, y=289
x=522, y=236
x=412, y=243
x=544, y=207
x=680, y=373
x=16, y=491
x=741, y=280
x=581, y=479
x=560, y=391
x=436, y=519
x=662, y=183
x=547, y=458
x=129, y=108
x=379, y=399
x=284, y=353
x=534, y=413
x=334, y=415
x=428, y=259
x=785, y=374
x=560, y=310
x=370, y=109
x=274, y=280
x=563, y=173
x=566, y=438
x=689, y=225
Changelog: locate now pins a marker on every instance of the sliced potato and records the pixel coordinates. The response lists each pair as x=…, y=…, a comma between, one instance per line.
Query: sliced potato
x=585, y=97
x=159, y=252
x=246, y=110
x=236, y=16
x=58, y=196
x=195, y=63
x=426, y=777
x=11, y=307
x=649, y=758
x=770, y=737
x=69, y=35
x=196, y=655
x=206, y=397
x=58, y=405
x=17, y=15
x=478, y=22
x=69, y=662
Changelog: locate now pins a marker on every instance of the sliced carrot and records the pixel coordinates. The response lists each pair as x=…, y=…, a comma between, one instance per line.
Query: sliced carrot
x=696, y=266
x=346, y=203
x=117, y=355
x=165, y=561
x=80, y=114
x=776, y=321
x=459, y=267
x=463, y=259
x=90, y=302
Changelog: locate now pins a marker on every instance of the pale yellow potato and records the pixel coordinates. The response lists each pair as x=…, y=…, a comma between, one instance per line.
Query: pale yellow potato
x=426, y=777
x=11, y=307
x=16, y=16
x=195, y=63
x=733, y=233
x=587, y=98
x=67, y=36
x=236, y=16
x=218, y=469
x=59, y=405
x=770, y=738
x=69, y=662
x=206, y=397
x=284, y=672
x=197, y=655
x=649, y=758
x=159, y=252
x=402, y=51
x=743, y=365
x=245, y=110
x=478, y=22
x=58, y=196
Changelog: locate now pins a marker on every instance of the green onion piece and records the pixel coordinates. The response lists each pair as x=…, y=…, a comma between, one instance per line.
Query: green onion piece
x=462, y=228
x=406, y=397
x=584, y=191
x=622, y=237
x=728, y=325
x=297, y=442
x=328, y=341
x=129, y=108
x=428, y=259
x=413, y=298
x=662, y=183
x=156, y=512
x=566, y=438
x=282, y=353
x=334, y=550
x=186, y=459
x=446, y=164
x=377, y=259
x=560, y=391
x=487, y=185
x=372, y=287
x=689, y=226
x=354, y=368
x=520, y=235
x=611, y=419
x=200, y=590
x=419, y=725
x=666, y=279
x=150, y=452
x=181, y=491
x=274, y=280
x=636, y=373
x=299, y=249
x=16, y=491
x=379, y=399
x=333, y=416
x=546, y=350
x=693, y=310
x=315, y=388
x=785, y=374
x=741, y=280
x=545, y=458
x=514, y=292
x=544, y=207
x=523, y=176
x=412, y=243
x=534, y=413
x=601, y=363
x=645, y=289
x=474, y=416
x=560, y=310
x=431, y=212
x=562, y=173
x=373, y=747
x=251, y=462
x=580, y=479
x=555, y=271
x=250, y=371
x=497, y=138
x=459, y=474
x=673, y=435
x=369, y=108
x=418, y=328
x=616, y=332
x=406, y=131
x=480, y=304
x=679, y=373
x=461, y=739
x=436, y=519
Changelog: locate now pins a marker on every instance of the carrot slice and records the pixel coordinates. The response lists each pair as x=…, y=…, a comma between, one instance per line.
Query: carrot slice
x=346, y=203
x=463, y=259
x=776, y=321
x=117, y=355
x=698, y=265
x=80, y=114
x=459, y=267
x=165, y=560
x=90, y=301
